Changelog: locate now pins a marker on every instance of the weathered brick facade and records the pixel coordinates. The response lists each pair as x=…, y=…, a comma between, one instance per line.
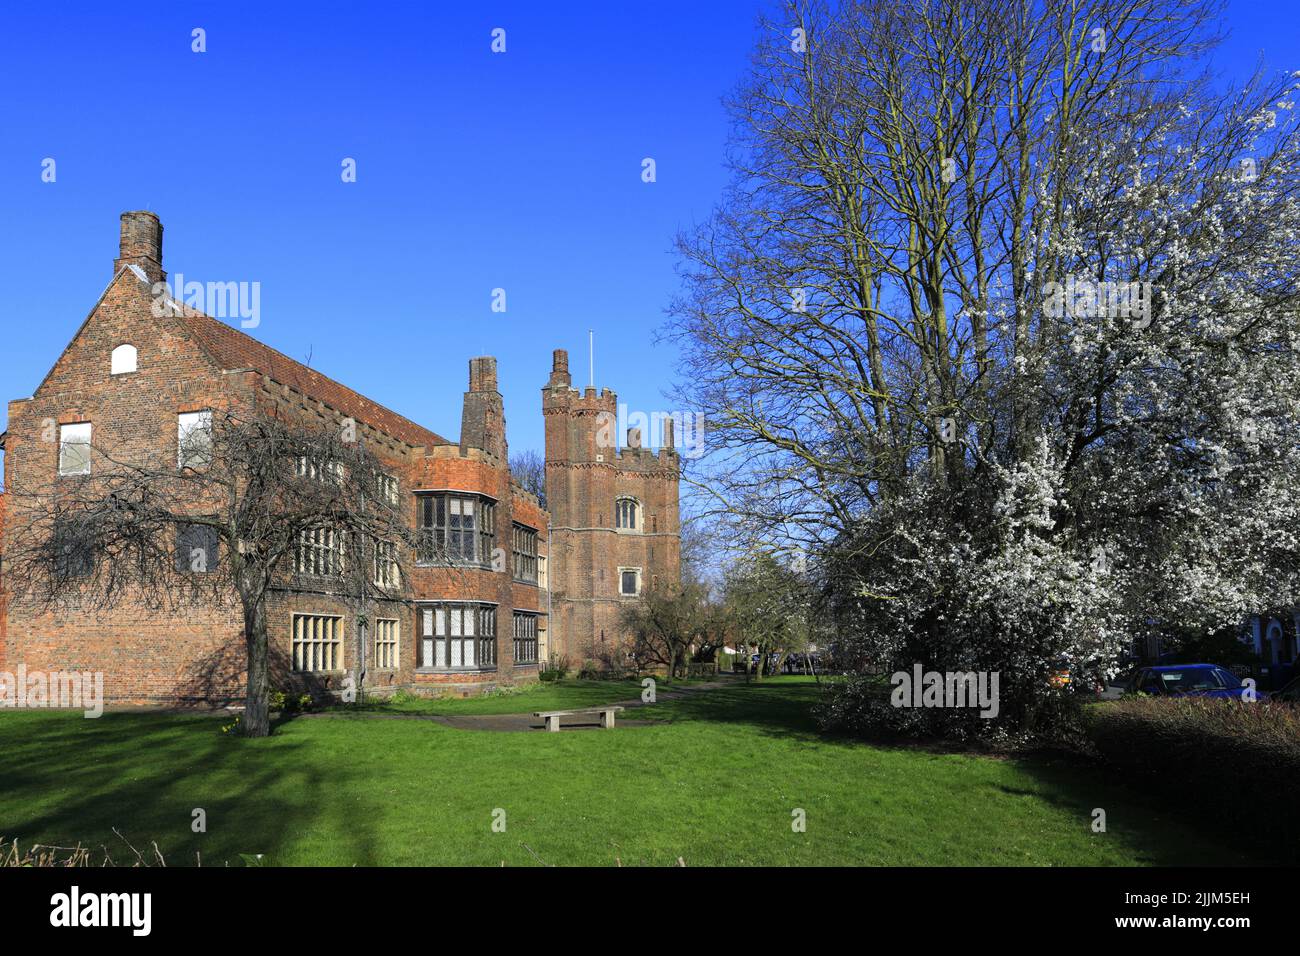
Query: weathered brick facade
x=190, y=362
x=587, y=475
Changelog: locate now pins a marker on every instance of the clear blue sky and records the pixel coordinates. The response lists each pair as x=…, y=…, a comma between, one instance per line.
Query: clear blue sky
x=475, y=171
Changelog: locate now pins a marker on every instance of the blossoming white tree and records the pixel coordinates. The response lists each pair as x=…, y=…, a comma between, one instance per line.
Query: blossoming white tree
x=1000, y=317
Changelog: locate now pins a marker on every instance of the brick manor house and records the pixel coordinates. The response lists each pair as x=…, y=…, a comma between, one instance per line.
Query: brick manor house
x=138, y=382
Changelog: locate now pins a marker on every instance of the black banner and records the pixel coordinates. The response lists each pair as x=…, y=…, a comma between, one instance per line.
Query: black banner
x=1220, y=906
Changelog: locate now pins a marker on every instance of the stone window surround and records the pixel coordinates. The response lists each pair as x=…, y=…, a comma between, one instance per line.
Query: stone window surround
x=638, y=527
x=419, y=636
x=637, y=592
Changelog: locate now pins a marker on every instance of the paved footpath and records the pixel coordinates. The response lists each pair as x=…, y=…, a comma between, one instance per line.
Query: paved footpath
x=526, y=722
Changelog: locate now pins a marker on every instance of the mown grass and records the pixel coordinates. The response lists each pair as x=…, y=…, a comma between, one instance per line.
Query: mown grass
x=558, y=695
x=714, y=780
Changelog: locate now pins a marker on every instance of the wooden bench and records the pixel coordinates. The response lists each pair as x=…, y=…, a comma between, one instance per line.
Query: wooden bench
x=552, y=717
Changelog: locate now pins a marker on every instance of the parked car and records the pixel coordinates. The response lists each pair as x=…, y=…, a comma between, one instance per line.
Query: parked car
x=1188, y=680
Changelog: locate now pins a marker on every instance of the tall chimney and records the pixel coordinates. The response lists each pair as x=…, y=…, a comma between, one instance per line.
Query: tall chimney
x=483, y=374
x=141, y=245
x=560, y=369
x=483, y=418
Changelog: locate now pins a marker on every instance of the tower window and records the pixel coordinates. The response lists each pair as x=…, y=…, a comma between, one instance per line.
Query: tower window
x=629, y=581
x=627, y=514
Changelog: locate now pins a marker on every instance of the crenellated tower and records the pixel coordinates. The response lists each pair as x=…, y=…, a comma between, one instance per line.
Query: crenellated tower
x=615, y=517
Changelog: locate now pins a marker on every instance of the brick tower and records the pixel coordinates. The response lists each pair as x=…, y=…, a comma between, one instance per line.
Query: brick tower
x=615, y=521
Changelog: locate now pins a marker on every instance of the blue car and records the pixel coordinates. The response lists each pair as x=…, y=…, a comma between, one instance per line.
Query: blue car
x=1188, y=680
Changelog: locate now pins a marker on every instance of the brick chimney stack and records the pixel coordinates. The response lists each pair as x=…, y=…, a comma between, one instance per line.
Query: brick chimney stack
x=141, y=245
x=560, y=369
x=483, y=418
x=483, y=374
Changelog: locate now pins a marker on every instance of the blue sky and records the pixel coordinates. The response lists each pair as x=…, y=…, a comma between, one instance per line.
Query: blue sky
x=475, y=171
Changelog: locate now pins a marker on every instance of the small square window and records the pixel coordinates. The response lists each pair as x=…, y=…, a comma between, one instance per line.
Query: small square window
x=196, y=549
x=629, y=581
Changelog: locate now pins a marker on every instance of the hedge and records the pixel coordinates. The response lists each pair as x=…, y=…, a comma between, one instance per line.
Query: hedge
x=1235, y=763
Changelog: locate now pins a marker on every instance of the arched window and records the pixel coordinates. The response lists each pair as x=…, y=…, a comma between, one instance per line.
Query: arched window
x=627, y=514
x=124, y=359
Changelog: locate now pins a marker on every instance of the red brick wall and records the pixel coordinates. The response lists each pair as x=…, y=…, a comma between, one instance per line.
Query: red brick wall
x=152, y=658
x=200, y=653
x=144, y=657
x=585, y=475
x=4, y=613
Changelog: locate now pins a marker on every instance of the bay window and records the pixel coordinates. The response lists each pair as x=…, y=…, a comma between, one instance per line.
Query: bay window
x=456, y=529
x=458, y=635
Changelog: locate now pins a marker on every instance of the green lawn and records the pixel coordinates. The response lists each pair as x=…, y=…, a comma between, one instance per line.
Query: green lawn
x=559, y=695
x=714, y=781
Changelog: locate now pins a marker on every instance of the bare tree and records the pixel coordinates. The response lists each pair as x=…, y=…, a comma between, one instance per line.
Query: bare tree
x=866, y=302
x=258, y=501
x=767, y=606
x=529, y=469
x=669, y=623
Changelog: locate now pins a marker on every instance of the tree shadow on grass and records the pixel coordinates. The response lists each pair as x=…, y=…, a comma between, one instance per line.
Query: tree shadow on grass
x=69, y=781
x=1162, y=834
x=783, y=710
x=1151, y=830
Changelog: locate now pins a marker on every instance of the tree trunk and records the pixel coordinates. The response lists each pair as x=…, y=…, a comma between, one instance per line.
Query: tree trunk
x=257, y=717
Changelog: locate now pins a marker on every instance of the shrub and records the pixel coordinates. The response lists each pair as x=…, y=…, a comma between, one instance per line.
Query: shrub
x=860, y=706
x=556, y=669
x=289, y=703
x=1233, y=761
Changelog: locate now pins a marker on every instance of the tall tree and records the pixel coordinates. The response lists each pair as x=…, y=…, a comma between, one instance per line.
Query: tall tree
x=1000, y=314
x=669, y=623
x=767, y=606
